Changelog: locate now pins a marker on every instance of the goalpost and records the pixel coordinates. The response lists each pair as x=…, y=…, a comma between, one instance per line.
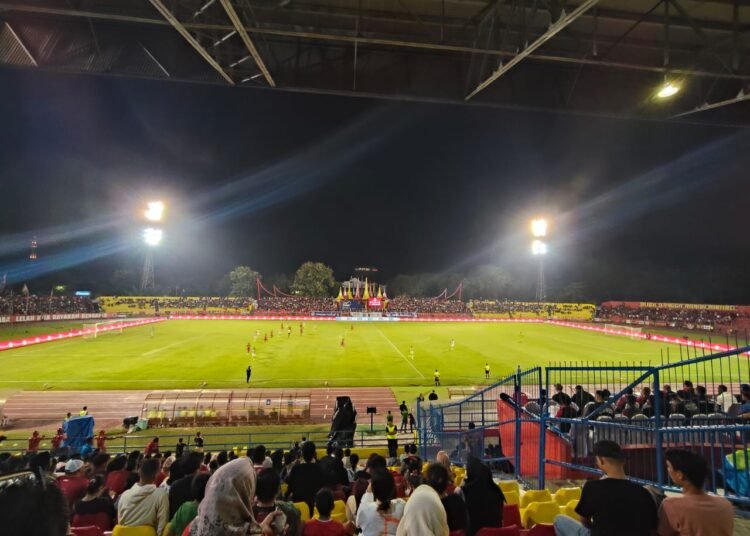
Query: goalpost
x=93, y=330
x=632, y=331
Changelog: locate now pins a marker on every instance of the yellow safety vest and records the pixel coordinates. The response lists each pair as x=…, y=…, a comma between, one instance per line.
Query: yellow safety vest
x=486, y=368
x=390, y=432
x=82, y=413
x=437, y=374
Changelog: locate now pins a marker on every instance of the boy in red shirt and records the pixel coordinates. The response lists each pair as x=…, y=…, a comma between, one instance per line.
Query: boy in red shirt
x=324, y=525
x=34, y=441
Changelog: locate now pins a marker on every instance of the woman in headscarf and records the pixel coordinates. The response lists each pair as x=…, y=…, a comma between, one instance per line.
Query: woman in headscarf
x=227, y=508
x=423, y=515
x=484, y=499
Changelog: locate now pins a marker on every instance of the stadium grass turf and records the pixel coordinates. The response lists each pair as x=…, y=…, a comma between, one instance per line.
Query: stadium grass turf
x=185, y=354
x=23, y=329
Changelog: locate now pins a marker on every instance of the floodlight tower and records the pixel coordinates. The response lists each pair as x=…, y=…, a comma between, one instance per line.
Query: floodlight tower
x=539, y=250
x=151, y=237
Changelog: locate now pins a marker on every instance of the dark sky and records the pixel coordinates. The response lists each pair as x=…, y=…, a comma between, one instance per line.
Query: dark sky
x=638, y=209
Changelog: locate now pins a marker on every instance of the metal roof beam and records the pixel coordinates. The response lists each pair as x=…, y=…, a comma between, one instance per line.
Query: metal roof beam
x=741, y=97
x=21, y=44
x=161, y=8
x=240, y=28
x=556, y=28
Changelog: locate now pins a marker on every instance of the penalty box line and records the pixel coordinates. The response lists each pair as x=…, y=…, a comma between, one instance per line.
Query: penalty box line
x=400, y=353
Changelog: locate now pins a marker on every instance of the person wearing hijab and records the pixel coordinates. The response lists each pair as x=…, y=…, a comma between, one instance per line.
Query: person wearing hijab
x=484, y=499
x=227, y=508
x=424, y=514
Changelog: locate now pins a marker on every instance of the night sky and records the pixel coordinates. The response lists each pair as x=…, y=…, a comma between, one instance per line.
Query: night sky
x=639, y=209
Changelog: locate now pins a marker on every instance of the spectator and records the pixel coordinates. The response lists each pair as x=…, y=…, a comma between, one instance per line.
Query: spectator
x=438, y=478
x=695, y=513
x=73, y=483
x=258, y=456
x=267, y=489
x=305, y=478
x=484, y=499
x=57, y=441
x=117, y=475
x=723, y=400
x=152, y=447
x=630, y=407
x=361, y=484
x=324, y=525
x=144, y=503
x=166, y=467
x=379, y=512
x=198, y=442
x=29, y=509
x=180, y=491
x=188, y=510
x=565, y=411
x=558, y=392
x=179, y=448
x=432, y=396
x=99, y=463
x=611, y=506
x=351, y=471
x=96, y=501
x=226, y=509
x=87, y=447
x=644, y=397
x=581, y=398
x=424, y=514
x=34, y=441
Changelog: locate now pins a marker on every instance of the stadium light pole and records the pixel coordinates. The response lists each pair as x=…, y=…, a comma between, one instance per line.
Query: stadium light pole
x=152, y=237
x=539, y=250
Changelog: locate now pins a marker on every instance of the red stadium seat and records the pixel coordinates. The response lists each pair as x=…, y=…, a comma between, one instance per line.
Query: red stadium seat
x=93, y=530
x=511, y=515
x=500, y=531
x=101, y=520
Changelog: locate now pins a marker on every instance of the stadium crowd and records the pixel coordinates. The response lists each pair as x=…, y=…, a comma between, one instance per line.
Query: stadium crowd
x=405, y=304
x=295, y=493
x=33, y=304
x=180, y=302
x=683, y=318
x=296, y=304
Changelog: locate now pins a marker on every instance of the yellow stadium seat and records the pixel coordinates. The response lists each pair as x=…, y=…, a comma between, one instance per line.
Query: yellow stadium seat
x=167, y=530
x=535, y=495
x=284, y=488
x=140, y=530
x=304, y=511
x=339, y=511
x=511, y=497
x=459, y=479
x=570, y=510
x=564, y=495
x=540, y=512
x=509, y=485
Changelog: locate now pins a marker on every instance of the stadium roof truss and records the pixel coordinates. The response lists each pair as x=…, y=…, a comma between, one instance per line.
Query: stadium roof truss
x=597, y=56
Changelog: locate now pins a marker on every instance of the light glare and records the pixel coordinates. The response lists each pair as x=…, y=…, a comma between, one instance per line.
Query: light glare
x=152, y=237
x=538, y=248
x=667, y=90
x=539, y=227
x=155, y=211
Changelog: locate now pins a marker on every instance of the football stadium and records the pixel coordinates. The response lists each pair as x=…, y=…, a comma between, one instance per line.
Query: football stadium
x=416, y=268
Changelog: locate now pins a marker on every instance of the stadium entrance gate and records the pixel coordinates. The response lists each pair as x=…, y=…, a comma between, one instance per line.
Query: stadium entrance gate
x=514, y=423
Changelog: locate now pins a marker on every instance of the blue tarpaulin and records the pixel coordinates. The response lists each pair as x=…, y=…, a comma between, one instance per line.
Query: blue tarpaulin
x=78, y=429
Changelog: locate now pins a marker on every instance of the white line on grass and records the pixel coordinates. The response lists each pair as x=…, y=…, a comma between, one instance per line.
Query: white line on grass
x=176, y=343
x=399, y=353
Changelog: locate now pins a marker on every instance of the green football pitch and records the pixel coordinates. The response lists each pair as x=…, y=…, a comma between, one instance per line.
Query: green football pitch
x=184, y=354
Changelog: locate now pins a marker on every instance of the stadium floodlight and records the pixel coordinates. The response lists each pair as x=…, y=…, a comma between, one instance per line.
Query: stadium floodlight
x=669, y=89
x=538, y=248
x=152, y=237
x=154, y=211
x=539, y=227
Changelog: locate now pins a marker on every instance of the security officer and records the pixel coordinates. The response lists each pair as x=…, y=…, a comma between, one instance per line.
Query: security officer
x=390, y=435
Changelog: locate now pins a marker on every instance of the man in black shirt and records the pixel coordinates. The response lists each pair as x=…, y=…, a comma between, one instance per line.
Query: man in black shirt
x=581, y=398
x=179, y=448
x=306, y=478
x=611, y=506
x=181, y=491
x=433, y=396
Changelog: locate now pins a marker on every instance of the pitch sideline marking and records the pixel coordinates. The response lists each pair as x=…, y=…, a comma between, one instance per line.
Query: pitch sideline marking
x=176, y=343
x=400, y=353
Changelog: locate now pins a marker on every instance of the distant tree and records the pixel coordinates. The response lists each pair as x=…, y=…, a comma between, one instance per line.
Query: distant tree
x=123, y=282
x=314, y=279
x=486, y=281
x=242, y=281
x=424, y=285
x=281, y=281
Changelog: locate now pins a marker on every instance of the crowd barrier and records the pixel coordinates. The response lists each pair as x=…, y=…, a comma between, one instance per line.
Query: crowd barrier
x=513, y=424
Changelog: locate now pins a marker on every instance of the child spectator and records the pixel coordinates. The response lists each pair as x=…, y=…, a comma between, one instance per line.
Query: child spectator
x=324, y=525
x=187, y=511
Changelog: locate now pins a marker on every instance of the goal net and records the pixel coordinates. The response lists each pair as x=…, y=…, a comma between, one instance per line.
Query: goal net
x=632, y=331
x=93, y=330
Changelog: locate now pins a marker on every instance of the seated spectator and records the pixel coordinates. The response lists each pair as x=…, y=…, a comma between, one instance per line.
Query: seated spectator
x=117, y=475
x=144, y=503
x=351, y=470
x=695, y=513
x=484, y=499
x=558, y=393
x=305, y=478
x=379, y=512
x=630, y=407
x=623, y=399
x=723, y=399
x=73, y=483
x=267, y=487
x=424, y=514
x=644, y=396
x=361, y=484
x=30, y=509
x=96, y=501
x=180, y=491
x=332, y=467
x=226, y=509
x=565, y=411
x=87, y=448
x=188, y=510
x=324, y=525
x=581, y=398
x=438, y=478
x=611, y=506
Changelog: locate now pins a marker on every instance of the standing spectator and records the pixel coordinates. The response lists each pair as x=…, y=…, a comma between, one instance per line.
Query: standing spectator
x=305, y=478
x=152, y=447
x=57, y=441
x=34, y=441
x=611, y=506
x=391, y=435
x=188, y=510
x=432, y=396
x=96, y=501
x=179, y=448
x=101, y=441
x=198, y=442
x=324, y=525
x=379, y=511
x=484, y=499
x=695, y=513
x=144, y=503
x=87, y=447
x=226, y=509
x=180, y=491
x=73, y=483
x=581, y=398
x=565, y=411
x=404, y=417
x=84, y=411
x=723, y=400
